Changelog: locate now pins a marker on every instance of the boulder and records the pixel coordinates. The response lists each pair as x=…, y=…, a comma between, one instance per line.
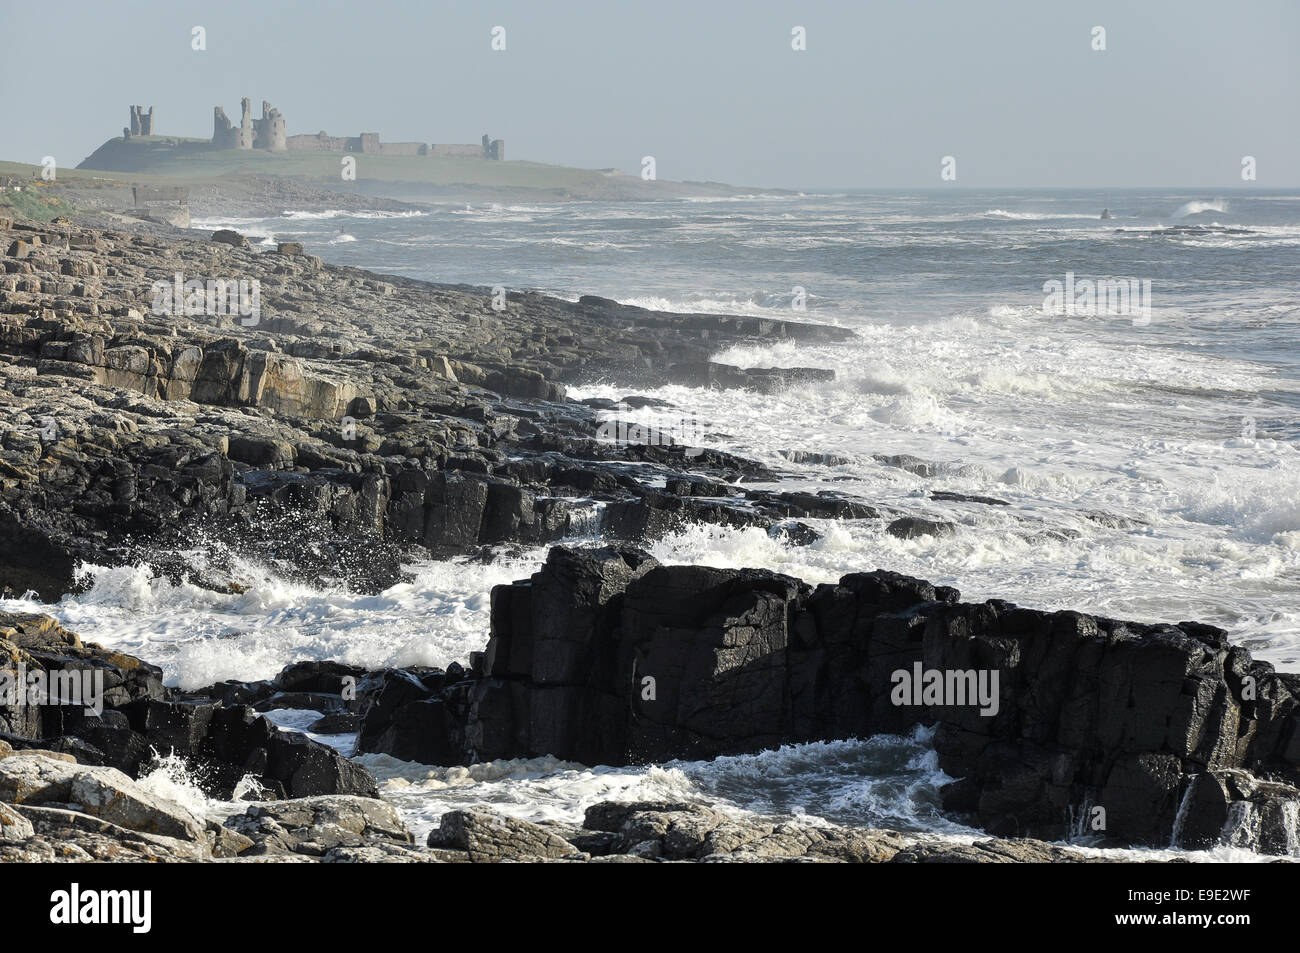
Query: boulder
x=316, y=825
x=227, y=236
x=104, y=793
x=487, y=838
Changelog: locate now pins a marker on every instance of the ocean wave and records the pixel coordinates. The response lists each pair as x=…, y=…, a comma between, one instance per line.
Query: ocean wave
x=1032, y=216
x=346, y=213
x=200, y=636
x=1197, y=207
x=252, y=228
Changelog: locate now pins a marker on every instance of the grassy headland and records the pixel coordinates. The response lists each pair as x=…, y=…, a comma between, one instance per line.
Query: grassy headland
x=412, y=178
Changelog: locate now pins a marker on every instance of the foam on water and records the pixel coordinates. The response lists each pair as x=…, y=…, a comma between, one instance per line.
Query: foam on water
x=1128, y=495
x=199, y=636
x=886, y=781
x=1198, y=207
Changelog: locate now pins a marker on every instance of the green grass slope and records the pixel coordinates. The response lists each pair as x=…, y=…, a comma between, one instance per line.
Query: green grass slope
x=193, y=160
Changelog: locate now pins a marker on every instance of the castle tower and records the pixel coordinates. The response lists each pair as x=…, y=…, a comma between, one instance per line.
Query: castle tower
x=245, y=124
x=141, y=121
x=227, y=136
x=270, y=133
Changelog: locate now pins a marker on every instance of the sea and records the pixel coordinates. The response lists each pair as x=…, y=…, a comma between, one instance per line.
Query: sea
x=1146, y=439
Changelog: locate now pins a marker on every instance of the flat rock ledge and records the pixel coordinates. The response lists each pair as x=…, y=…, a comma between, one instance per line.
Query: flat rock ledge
x=344, y=419
x=55, y=810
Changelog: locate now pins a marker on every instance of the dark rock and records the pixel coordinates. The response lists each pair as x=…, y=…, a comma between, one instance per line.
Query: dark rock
x=228, y=236
x=912, y=527
x=607, y=657
x=946, y=496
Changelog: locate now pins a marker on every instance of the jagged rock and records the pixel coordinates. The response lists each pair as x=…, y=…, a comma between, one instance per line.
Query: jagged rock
x=317, y=825
x=1231, y=805
x=947, y=496
x=765, y=380
x=336, y=724
x=1011, y=851
x=225, y=739
x=662, y=831
x=63, y=835
x=905, y=461
x=490, y=838
x=227, y=236
x=912, y=527
x=467, y=437
x=14, y=828
x=405, y=715
x=607, y=657
x=105, y=793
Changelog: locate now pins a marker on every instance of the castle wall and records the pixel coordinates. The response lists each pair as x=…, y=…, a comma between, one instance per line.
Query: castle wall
x=269, y=130
x=403, y=149
x=322, y=143
x=464, y=151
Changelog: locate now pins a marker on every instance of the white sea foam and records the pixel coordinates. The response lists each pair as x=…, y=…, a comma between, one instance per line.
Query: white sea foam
x=344, y=213
x=1198, y=207
x=199, y=636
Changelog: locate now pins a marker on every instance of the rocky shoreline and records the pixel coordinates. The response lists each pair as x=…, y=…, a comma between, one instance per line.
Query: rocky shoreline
x=345, y=421
x=231, y=196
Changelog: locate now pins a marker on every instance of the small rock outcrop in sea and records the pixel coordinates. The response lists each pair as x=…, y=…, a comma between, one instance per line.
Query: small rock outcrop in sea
x=1071, y=723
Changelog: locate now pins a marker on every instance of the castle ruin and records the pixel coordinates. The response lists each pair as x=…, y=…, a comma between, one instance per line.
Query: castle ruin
x=269, y=133
x=141, y=121
x=265, y=133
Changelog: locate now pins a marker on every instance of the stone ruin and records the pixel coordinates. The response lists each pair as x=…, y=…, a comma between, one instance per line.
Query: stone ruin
x=141, y=122
x=269, y=133
x=169, y=204
x=266, y=133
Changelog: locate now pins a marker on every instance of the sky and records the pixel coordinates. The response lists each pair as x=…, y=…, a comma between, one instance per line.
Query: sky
x=1013, y=91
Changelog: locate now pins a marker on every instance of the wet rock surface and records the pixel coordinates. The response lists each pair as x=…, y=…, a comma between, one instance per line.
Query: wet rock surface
x=337, y=417
x=607, y=657
x=342, y=829
x=140, y=721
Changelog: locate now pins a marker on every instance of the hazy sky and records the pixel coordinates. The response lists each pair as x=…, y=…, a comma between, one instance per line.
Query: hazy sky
x=1013, y=90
